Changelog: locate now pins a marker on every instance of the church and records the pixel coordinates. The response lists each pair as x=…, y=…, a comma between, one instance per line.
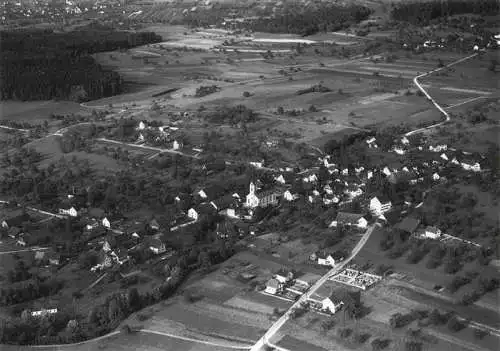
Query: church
x=256, y=198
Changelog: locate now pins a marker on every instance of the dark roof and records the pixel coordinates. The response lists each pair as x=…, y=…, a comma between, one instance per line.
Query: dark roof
x=17, y=220
x=334, y=298
x=261, y=194
x=383, y=198
x=205, y=208
x=213, y=191
x=224, y=202
x=346, y=217
x=408, y=224
x=226, y=227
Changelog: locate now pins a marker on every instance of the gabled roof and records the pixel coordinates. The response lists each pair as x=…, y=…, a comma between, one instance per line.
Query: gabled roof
x=382, y=198
x=17, y=220
x=408, y=224
x=213, y=191
x=431, y=229
x=273, y=283
x=157, y=243
x=335, y=299
x=205, y=208
x=347, y=217
x=224, y=202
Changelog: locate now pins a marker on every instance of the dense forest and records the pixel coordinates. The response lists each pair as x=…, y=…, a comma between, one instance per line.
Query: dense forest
x=42, y=65
x=422, y=12
x=294, y=18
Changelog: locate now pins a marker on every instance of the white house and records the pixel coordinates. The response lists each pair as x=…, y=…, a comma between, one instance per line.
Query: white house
x=432, y=232
x=471, y=166
x=193, y=214
x=331, y=199
x=438, y=148
x=380, y=205
x=350, y=219
x=444, y=157
x=141, y=126
x=372, y=143
x=177, y=145
x=325, y=259
x=273, y=286
x=280, y=179
x=387, y=171
x=405, y=141
x=455, y=161
x=369, y=175
x=345, y=171
x=436, y=176
x=332, y=304
x=289, y=196
x=398, y=150
x=352, y=193
x=106, y=223
x=157, y=246
x=72, y=212
x=44, y=312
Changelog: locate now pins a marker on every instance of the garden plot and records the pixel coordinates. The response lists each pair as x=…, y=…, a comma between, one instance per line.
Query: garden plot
x=356, y=278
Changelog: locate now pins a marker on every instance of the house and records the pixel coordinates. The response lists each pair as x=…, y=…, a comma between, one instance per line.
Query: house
x=141, y=126
x=310, y=178
x=211, y=192
x=284, y=275
x=353, y=191
x=399, y=150
x=93, y=223
x=332, y=303
x=105, y=260
x=193, y=214
x=16, y=221
x=346, y=218
x=432, y=232
x=380, y=204
x=471, y=166
x=444, y=157
x=436, y=176
x=225, y=202
x=273, y=286
x=177, y=145
x=71, y=211
x=21, y=242
x=39, y=255
x=43, y=312
x=156, y=246
x=331, y=199
x=405, y=141
x=438, y=148
x=408, y=225
x=54, y=258
x=105, y=223
x=285, y=178
x=372, y=143
x=326, y=259
x=154, y=225
x=386, y=171
x=14, y=232
x=261, y=198
x=289, y=196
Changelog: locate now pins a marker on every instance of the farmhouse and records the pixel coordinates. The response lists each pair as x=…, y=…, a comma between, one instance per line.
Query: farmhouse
x=261, y=198
x=273, y=286
x=380, y=204
x=332, y=303
x=71, y=211
x=156, y=246
x=16, y=221
x=211, y=193
x=290, y=196
x=432, y=232
x=348, y=219
x=326, y=259
x=43, y=312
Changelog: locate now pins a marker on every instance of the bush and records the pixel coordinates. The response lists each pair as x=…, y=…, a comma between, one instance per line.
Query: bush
x=380, y=344
x=455, y=325
x=413, y=346
x=344, y=333
x=246, y=94
x=142, y=317
x=480, y=334
x=361, y=338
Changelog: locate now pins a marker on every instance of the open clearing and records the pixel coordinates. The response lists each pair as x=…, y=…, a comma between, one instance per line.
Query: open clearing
x=36, y=111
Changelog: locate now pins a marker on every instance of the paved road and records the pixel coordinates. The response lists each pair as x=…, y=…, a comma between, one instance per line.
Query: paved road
x=264, y=340
x=24, y=250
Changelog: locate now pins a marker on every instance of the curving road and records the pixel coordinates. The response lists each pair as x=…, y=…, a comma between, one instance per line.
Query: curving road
x=265, y=339
x=427, y=95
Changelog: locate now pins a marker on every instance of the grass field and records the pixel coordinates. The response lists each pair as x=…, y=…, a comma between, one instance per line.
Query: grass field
x=36, y=111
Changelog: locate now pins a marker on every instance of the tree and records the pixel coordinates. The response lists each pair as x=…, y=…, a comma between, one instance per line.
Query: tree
x=134, y=299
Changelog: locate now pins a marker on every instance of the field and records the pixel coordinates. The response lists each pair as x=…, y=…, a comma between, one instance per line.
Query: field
x=36, y=111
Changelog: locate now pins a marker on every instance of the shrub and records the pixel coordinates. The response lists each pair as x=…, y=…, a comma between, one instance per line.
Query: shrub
x=380, y=344
x=480, y=333
x=413, y=346
x=361, y=338
x=246, y=94
x=344, y=333
x=455, y=325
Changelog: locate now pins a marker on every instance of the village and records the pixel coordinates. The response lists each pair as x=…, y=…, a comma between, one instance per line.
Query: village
x=349, y=190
